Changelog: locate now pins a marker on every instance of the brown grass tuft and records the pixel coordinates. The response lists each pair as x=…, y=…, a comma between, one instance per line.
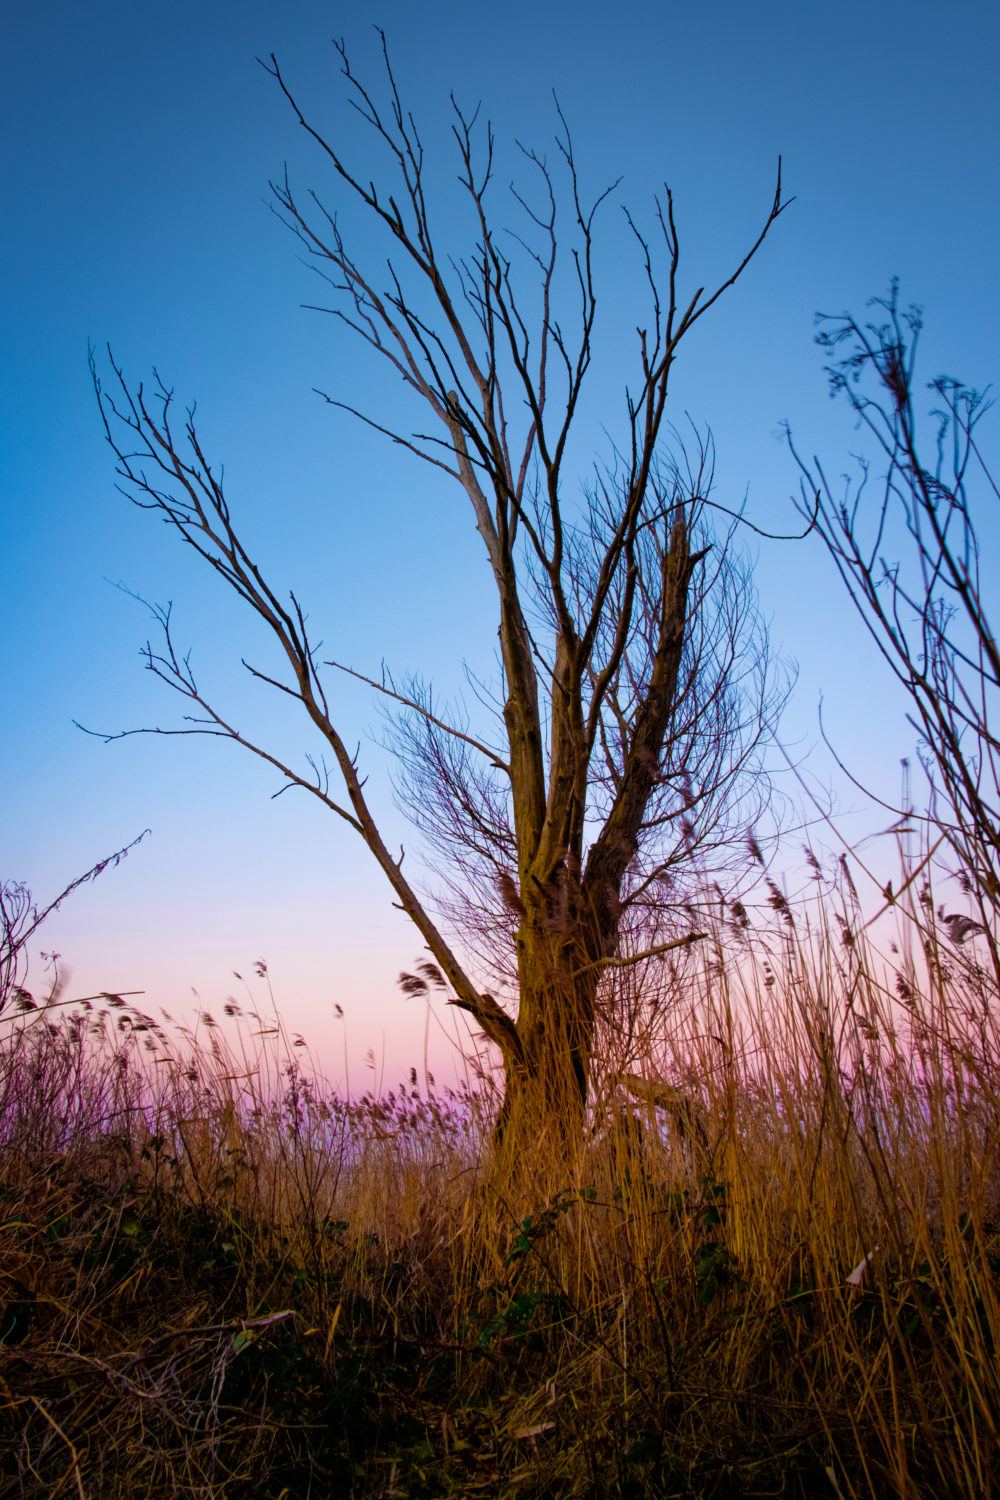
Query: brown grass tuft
x=775, y=1270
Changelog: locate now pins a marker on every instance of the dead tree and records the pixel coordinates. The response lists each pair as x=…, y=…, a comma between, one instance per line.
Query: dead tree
x=905, y=542
x=626, y=638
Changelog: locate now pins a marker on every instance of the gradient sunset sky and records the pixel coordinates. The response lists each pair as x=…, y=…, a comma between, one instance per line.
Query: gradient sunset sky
x=138, y=145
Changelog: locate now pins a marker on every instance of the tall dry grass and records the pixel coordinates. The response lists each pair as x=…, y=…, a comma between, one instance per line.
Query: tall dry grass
x=220, y=1279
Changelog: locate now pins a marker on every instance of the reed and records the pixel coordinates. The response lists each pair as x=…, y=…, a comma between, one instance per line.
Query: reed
x=774, y=1269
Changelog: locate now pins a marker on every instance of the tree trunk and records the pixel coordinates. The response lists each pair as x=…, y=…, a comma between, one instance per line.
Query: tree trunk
x=570, y=917
x=559, y=947
x=541, y=1122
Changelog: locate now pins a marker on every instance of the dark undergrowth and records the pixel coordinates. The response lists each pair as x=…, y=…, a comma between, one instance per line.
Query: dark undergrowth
x=218, y=1279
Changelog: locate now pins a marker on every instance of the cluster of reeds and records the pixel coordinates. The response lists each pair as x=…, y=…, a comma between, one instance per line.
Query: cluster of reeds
x=775, y=1268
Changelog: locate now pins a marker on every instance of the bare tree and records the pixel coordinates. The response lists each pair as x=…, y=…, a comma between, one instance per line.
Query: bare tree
x=626, y=637
x=925, y=609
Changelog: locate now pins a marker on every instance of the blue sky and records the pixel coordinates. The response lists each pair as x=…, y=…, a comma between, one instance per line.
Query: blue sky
x=139, y=144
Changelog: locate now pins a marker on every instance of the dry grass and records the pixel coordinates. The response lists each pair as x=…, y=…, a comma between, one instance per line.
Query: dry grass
x=217, y=1279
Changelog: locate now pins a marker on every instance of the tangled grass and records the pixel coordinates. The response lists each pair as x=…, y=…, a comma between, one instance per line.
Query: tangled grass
x=220, y=1279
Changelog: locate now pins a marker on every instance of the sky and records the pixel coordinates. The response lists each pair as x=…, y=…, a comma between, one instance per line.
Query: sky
x=139, y=143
